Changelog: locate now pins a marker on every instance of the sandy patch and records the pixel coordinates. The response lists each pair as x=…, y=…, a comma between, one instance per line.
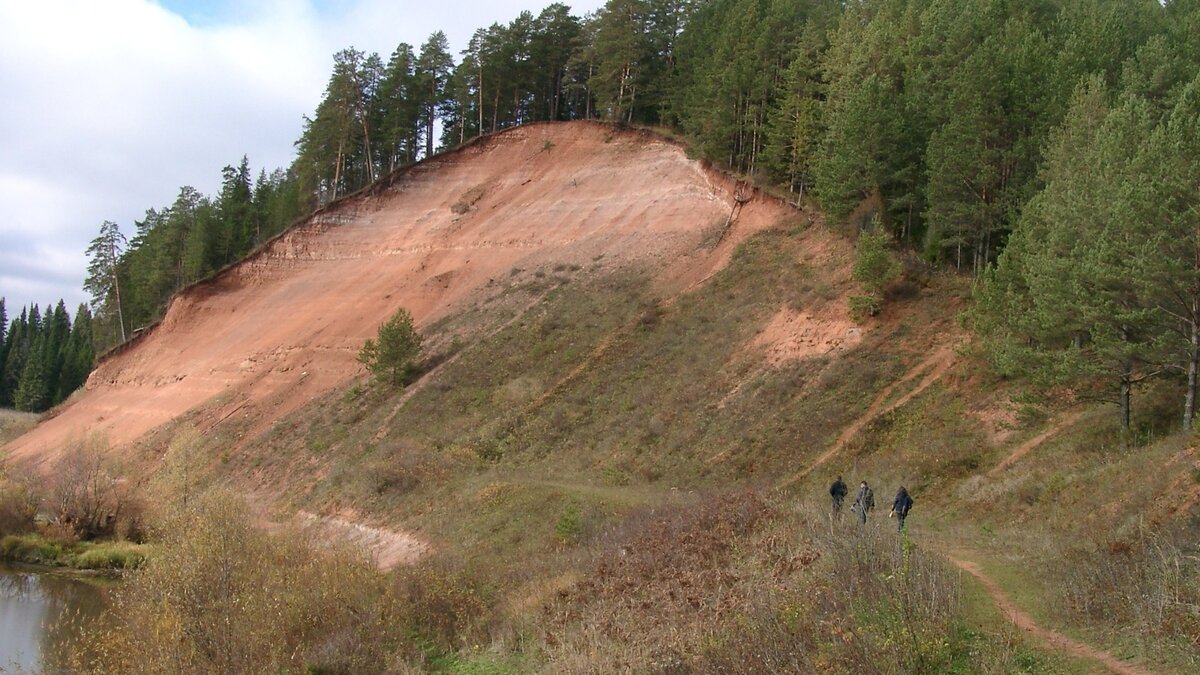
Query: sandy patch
x=389, y=547
x=791, y=335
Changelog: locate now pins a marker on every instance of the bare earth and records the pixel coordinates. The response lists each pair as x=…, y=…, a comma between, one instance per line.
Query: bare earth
x=272, y=333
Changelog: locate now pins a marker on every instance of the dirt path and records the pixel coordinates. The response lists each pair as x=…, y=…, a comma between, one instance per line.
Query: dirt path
x=1051, y=637
x=1028, y=446
x=389, y=547
x=933, y=366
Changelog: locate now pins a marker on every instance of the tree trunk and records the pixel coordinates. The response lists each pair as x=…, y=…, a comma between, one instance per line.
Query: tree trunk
x=1126, y=388
x=1189, y=403
x=117, y=290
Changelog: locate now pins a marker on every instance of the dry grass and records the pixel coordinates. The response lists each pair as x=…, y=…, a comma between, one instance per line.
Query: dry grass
x=13, y=424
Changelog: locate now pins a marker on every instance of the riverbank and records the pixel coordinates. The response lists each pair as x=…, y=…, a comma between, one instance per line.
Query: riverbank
x=91, y=556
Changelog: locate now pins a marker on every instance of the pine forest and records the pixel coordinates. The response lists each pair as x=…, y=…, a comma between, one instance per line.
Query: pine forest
x=1049, y=148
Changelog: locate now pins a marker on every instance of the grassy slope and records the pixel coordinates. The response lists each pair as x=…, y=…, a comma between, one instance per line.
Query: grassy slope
x=13, y=424
x=575, y=402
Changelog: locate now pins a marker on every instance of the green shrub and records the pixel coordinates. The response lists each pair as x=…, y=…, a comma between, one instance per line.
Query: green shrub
x=392, y=357
x=110, y=556
x=863, y=307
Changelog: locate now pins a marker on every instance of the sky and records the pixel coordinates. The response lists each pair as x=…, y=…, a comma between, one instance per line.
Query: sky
x=108, y=107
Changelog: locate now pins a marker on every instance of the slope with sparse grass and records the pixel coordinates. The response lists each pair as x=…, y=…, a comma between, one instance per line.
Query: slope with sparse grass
x=594, y=443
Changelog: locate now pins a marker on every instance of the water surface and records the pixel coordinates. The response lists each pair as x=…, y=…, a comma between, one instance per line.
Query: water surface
x=40, y=612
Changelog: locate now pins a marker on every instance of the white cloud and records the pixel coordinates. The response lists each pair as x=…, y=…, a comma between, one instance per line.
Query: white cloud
x=110, y=107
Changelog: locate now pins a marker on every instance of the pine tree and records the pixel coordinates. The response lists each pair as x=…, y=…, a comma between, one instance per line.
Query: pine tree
x=392, y=357
x=432, y=72
x=620, y=50
x=395, y=110
x=102, y=280
x=1165, y=227
x=1062, y=307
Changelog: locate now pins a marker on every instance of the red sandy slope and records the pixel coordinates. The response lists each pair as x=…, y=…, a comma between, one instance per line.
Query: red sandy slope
x=285, y=325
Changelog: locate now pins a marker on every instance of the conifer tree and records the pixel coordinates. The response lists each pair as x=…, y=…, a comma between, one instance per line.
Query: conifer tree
x=620, y=50
x=17, y=348
x=392, y=357
x=432, y=72
x=1062, y=306
x=102, y=281
x=79, y=354
x=395, y=110
x=56, y=337
x=4, y=346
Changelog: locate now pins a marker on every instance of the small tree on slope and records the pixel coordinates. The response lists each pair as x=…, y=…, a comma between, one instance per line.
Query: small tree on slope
x=392, y=357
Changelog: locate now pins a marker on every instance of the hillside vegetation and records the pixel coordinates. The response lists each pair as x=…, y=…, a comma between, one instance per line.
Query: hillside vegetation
x=973, y=233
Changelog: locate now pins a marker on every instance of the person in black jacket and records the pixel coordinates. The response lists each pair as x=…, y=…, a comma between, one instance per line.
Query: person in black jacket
x=900, y=507
x=864, y=501
x=838, y=492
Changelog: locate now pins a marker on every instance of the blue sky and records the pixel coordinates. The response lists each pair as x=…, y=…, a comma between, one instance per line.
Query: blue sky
x=110, y=107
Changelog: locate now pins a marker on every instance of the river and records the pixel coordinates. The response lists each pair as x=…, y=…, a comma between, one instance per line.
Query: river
x=40, y=613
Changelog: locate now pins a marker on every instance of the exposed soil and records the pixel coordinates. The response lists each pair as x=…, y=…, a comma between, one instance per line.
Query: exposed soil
x=793, y=335
x=270, y=334
x=389, y=547
x=1049, y=636
x=283, y=327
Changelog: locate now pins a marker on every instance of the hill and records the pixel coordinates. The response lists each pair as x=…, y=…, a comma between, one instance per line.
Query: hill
x=641, y=377
x=284, y=325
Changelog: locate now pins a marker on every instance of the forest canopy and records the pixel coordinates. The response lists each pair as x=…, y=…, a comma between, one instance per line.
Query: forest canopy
x=963, y=121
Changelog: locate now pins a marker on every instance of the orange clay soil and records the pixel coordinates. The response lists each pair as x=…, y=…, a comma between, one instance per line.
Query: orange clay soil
x=273, y=332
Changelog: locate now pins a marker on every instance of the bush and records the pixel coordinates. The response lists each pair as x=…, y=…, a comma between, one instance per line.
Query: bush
x=17, y=506
x=222, y=596
x=391, y=358
x=1146, y=586
x=87, y=495
x=110, y=556
x=863, y=307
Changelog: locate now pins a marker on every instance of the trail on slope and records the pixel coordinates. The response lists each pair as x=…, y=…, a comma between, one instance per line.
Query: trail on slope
x=933, y=367
x=1029, y=445
x=1049, y=636
x=389, y=547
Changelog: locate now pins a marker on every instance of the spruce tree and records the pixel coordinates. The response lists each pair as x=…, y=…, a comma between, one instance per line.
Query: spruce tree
x=4, y=347
x=17, y=348
x=79, y=354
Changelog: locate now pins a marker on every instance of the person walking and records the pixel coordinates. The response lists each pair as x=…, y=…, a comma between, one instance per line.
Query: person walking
x=864, y=501
x=900, y=507
x=838, y=492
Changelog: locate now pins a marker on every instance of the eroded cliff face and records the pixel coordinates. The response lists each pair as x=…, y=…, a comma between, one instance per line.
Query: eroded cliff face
x=269, y=334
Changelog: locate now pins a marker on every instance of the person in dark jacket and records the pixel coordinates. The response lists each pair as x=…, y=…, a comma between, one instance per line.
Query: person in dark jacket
x=838, y=492
x=900, y=507
x=864, y=501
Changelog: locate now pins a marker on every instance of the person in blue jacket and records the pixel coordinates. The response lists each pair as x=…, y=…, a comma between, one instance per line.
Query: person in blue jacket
x=900, y=507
